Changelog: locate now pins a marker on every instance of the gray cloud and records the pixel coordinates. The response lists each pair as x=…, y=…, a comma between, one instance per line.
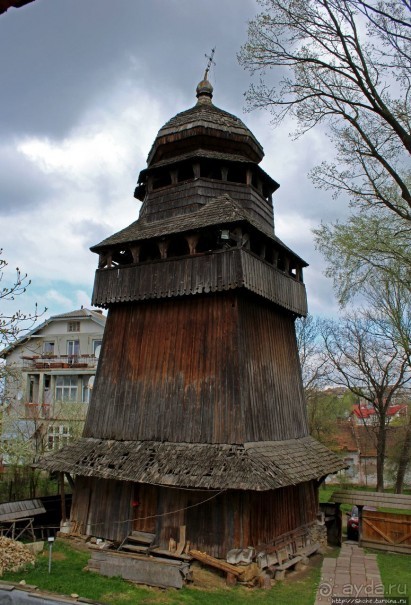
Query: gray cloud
x=76, y=66
x=22, y=184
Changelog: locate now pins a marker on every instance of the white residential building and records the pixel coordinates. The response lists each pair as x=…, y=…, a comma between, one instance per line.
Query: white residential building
x=50, y=373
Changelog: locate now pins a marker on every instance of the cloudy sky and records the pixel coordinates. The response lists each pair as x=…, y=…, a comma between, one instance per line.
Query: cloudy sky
x=85, y=86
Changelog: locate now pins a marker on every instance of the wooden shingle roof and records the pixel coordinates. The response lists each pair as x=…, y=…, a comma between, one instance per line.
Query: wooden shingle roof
x=206, y=118
x=252, y=466
x=216, y=212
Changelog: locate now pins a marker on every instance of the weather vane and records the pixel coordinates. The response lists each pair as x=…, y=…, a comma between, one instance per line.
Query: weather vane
x=210, y=62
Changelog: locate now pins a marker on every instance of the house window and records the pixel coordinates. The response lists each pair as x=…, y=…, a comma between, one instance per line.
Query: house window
x=48, y=348
x=73, y=326
x=86, y=388
x=97, y=347
x=66, y=388
x=57, y=436
x=73, y=348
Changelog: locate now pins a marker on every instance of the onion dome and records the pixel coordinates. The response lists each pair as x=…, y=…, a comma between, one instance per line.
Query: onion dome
x=206, y=127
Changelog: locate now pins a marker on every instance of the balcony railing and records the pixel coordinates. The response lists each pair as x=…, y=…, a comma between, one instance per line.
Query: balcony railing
x=35, y=411
x=76, y=411
x=55, y=362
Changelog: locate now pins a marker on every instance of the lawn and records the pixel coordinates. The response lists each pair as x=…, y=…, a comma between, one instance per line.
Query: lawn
x=395, y=570
x=68, y=576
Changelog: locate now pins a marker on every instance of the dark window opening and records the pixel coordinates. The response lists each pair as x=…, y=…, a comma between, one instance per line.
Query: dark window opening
x=255, y=245
x=206, y=243
x=269, y=254
x=281, y=262
x=185, y=173
x=293, y=272
x=211, y=170
x=266, y=192
x=178, y=247
x=122, y=257
x=254, y=180
x=237, y=174
x=162, y=179
x=149, y=251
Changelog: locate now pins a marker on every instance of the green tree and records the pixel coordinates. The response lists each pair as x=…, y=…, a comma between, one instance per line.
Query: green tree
x=370, y=247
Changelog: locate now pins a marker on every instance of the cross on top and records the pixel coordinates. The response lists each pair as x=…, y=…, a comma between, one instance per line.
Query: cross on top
x=209, y=63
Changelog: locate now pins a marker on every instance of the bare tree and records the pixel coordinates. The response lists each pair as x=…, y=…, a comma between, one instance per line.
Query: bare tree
x=12, y=325
x=344, y=64
x=324, y=406
x=313, y=364
x=371, y=364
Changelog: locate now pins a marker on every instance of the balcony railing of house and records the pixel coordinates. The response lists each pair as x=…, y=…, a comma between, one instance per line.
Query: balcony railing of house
x=55, y=362
x=50, y=411
x=36, y=411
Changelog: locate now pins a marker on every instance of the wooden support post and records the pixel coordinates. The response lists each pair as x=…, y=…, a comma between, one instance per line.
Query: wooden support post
x=63, y=499
x=192, y=241
x=163, y=247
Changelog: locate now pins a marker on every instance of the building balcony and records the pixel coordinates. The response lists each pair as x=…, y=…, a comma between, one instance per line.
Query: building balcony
x=55, y=362
x=36, y=411
x=60, y=410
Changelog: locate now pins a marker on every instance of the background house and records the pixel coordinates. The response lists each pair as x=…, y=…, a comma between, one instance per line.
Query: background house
x=49, y=374
x=355, y=442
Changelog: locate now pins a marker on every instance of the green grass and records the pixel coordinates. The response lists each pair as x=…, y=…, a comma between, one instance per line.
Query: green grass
x=395, y=570
x=68, y=577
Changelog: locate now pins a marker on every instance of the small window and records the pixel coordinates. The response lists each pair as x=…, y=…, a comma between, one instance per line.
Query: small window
x=48, y=348
x=96, y=347
x=73, y=326
x=58, y=436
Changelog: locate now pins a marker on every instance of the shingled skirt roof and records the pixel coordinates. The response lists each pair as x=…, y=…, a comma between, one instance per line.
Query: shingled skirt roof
x=253, y=466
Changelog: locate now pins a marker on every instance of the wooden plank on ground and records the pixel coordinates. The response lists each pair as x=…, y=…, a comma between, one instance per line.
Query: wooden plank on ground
x=144, y=571
x=289, y=563
x=217, y=563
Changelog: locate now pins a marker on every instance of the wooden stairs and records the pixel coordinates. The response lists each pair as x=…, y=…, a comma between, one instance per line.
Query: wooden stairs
x=137, y=542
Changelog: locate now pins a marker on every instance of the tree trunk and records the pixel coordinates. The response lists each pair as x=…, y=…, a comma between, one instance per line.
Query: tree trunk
x=404, y=459
x=381, y=445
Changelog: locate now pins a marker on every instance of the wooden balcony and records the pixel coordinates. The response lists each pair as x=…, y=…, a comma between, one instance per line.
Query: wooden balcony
x=55, y=362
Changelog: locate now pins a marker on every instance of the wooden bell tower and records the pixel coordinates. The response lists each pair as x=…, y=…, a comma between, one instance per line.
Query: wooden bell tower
x=197, y=411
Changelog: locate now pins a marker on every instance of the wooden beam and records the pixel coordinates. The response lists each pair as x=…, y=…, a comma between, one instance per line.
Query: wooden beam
x=217, y=563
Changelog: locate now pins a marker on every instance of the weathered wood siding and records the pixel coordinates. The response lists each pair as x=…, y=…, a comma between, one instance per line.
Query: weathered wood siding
x=206, y=369
x=233, y=519
x=202, y=273
x=183, y=197
x=102, y=508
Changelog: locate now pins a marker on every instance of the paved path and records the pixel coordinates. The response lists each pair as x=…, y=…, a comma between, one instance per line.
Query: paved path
x=352, y=574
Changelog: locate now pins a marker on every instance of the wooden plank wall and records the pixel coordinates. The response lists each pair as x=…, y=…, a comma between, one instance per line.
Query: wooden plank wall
x=221, y=369
x=271, y=383
x=234, y=519
x=186, y=196
x=197, y=274
x=102, y=508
